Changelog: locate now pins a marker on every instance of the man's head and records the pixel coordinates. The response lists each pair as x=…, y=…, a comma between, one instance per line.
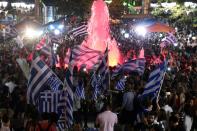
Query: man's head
x=151, y=117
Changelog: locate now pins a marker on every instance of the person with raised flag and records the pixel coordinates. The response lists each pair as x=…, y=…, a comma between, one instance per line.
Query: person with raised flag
x=41, y=78
x=155, y=81
x=100, y=78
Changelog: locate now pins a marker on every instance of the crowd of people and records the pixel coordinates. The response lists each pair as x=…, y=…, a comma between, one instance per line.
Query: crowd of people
x=175, y=108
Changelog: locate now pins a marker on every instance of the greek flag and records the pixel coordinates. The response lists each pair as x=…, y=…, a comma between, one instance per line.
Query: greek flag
x=103, y=70
x=54, y=101
x=96, y=85
x=136, y=65
x=121, y=84
x=83, y=55
x=170, y=39
x=41, y=78
x=79, y=31
x=100, y=78
x=80, y=92
x=155, y=81
x=69, y=100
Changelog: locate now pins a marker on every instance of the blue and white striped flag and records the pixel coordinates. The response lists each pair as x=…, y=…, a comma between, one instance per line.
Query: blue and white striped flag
x=41, y=78
x=103, y=70
x=170, y=39
x=54, y=101
x=155, y=81
x=83, y=55
x=100, y=78
x=121, y=84
x=69, y=100
x=136, y=65
x=79, y=31
x=96, y=84
x=80, y=92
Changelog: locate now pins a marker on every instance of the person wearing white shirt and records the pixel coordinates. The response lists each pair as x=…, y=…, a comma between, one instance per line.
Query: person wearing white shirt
x=107, y=119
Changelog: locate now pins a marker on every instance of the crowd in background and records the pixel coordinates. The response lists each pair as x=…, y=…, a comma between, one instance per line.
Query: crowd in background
x=175, y=110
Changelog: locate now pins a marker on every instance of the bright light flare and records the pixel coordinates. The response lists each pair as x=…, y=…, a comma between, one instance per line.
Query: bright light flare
x=56, y=32
x=141, y=30
x=122, y=31
x=61, y=26
x=51, y=27
x=126, y=35
x=175, y=44
x=30, y=33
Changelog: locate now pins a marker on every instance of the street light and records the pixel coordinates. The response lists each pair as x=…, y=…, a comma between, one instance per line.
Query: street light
x=141, y=30
x=3, y=4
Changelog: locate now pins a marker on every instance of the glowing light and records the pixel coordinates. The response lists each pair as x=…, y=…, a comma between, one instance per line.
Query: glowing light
x=190, y=35
x=175, y=44
x=190, y=4
x=51, y=27
x=108, y=1
x=168, y=5
x=154, y=5
x=4, y=4
x=84, y=69
x=176, y=29
x=56, y=32
x=40, y=33
x=122, y=31
x=141, y=30
x=169, y=69
x=30, y=33
x=124, y=3
x=126, y=35
x=61, y=27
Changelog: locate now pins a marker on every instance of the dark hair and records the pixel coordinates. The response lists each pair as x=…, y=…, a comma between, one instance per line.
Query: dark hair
x=53, y=117
x=173, y=118
x=5, y=118
x=45, y=116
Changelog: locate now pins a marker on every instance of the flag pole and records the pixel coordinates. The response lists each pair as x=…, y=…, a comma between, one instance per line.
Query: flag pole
x=109, y=82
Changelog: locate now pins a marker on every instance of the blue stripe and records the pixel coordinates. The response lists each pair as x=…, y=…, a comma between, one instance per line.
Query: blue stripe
x=38, y=81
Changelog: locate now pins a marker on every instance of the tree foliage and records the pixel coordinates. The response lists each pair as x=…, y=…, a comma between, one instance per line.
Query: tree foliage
x=116, y=8
x=73, y=7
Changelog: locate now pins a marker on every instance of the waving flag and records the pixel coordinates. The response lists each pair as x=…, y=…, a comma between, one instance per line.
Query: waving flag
x=69, y=100
x=121, y=84
x=41, y=78
x=136, y=65
x=155, y=81
x=83, y=55
x=96, y=84
x=79, y=31
x=170, y=39
x=54, y=101
x=100, y=79
x=80, y=92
